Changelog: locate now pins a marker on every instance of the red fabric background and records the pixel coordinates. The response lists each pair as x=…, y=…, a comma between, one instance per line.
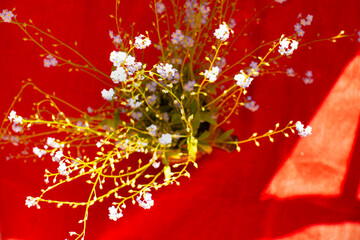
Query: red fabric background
x=291, y=189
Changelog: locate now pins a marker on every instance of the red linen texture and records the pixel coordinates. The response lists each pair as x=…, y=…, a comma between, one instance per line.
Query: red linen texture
x=292, y=189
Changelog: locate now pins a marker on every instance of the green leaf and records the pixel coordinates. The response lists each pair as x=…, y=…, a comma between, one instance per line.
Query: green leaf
x=225, y=135
x=175, y=118
x=196, y=122
x=204, y=135
x=206, y=116
x=205, y=148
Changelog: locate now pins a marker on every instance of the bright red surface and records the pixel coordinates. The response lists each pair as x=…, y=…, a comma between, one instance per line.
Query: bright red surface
x=293, y=189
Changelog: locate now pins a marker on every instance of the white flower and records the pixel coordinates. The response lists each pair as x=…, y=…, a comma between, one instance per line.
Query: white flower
x=15, y=118
x=30, y=201
x=280, y=1
x=58, y=155
x=156, y=164
x=117, y=58
x=166, y=71
x=114, y=214
x=62, y=169
x=131, y=102
x=52, y=142
x=212, y=74
x=223, y=32
x=142, y=42
x=284, y=46
x=119, y=75
x=152, y=130
x=301, y=131
x=39, y=152
x=108, y=94
x=165, y=139
x=98, y=144
x=147, y=203
x=243, y=80
x=90, y=110
x=16, y=128
x=12, y=115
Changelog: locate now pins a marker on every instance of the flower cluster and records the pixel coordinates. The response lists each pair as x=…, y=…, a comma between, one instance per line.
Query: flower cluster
x=303, y=132
x=147, y=203
x=287, y=46
x=165, y=139
x=160, y=7
x=308, y=79
x=50, y=61
x=142, y=42
x=212, y=74
x=251, y=104
x=290, y=72
x=116, y=38
x=166, y=71
x=108, y=94
x=303, y=22
x=114, y=214
x=6, y=15
x=223, y=32
x=243, y=80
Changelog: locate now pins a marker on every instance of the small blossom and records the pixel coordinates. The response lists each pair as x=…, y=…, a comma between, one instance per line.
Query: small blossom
x=290, y=72
x=189, y=86
x=243, y=80
x=212, y=74
x=251, y=105
x=62, y=169
x=152, y=130
x=117, y=58
x=6, y=15
x=147, y=203
x=30, y=201
x=359, y=36
x=303, y=132
x=151, y=86
x=254, y=69
x=131, y=102
x=165, y=139
x=142, y=42
x=160, y=7
x=151, y=99
x=15, y=118
x=119, y=75
x=166, y=71
x=116, y=39
x=114, y=214
x=108, y=94
x=136, y=115
x=223, y=32
x=58, y=155
x=308, y=79
x=90, y=110
x=39, y=152
x=99, y=144
x=297, y=27
x=177, y=37
x=280, y=1
x=284, y=46
x=16, y=128
x=52, y=143
x=232, y=23
x=50, y=61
